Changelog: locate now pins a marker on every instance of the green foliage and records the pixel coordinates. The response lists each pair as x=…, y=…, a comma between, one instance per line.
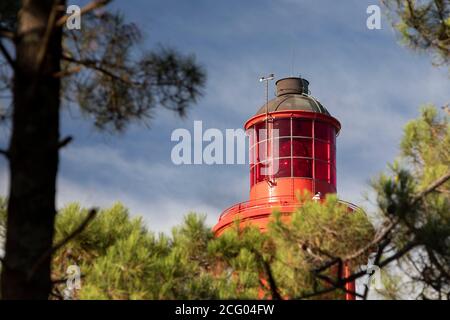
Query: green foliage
x=423, y=25
x=320, y=225
x=393, y=286
x=118, y=83
x=108, y=75
x=318, y=233
x=415, y=197
x=426, y=145
x=239, y=254
x=120, y=259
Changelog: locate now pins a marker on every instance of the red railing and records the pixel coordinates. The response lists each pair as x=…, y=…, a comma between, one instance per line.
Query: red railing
x=271, y=201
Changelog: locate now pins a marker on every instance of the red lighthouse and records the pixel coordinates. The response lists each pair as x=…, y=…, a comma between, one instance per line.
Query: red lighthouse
x=292, y=149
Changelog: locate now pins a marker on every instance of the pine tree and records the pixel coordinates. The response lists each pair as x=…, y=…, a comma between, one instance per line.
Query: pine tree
x=414, y=201
x=423, y=25
x=120, y=259
x=97, y=69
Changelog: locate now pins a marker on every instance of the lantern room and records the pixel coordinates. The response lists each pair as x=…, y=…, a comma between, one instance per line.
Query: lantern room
x=293, y=137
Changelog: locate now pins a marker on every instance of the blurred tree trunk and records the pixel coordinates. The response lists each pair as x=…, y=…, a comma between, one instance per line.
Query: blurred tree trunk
x=33, y=153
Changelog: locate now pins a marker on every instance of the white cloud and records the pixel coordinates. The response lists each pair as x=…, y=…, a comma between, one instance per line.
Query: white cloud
x=160, y=214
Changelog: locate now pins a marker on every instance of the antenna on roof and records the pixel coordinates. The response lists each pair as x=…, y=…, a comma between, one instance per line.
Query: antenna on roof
x=266, y=79
x=293, y=61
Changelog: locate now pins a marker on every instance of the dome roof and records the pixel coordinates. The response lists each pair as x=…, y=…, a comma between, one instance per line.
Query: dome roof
x=292, y=94
x=300, y=101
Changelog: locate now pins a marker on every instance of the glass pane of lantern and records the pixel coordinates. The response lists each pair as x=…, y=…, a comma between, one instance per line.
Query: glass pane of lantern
x=333, y=155
x=251, y=136
x=322, y=170
x=333, y=176
x=301, y=128
x=260, y=131
x=321, y=150
x=283, y=126
x=332, y=132
x=251, y=155
x=261, y=152
x=321, y=130
x=302, y=147
x=283, y=166
x=284, y=147
x=302, y=168
x=271, y=146
x=260, y=174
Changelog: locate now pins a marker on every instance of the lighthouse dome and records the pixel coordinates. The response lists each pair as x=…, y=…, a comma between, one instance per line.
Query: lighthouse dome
x=292, y=94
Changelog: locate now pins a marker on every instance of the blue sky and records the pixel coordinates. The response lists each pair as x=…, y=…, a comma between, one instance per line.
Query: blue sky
x=364, y=78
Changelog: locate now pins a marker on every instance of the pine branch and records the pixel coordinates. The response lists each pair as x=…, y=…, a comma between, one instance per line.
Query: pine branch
x=64, y=142
x=376, y=262
x=67, y=72
x=268, y=271
x=327, y=265
x=327, y=290
x=7, y=56
x=378, y=238
x=437, y=263
x=5, y=33
x=433, y=186
x=56, y=294
x=382, y=235
x=91, y=215
x=4, y=153
x=446, y=108
x=343, y=281
x=87, y=8
x=400, y=253
x=93, y=64
x=441, y=190
x=338, y=285
x=53, y=22
x=271, y=279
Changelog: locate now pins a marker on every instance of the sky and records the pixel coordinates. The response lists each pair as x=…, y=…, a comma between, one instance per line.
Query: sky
x=365, y=78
